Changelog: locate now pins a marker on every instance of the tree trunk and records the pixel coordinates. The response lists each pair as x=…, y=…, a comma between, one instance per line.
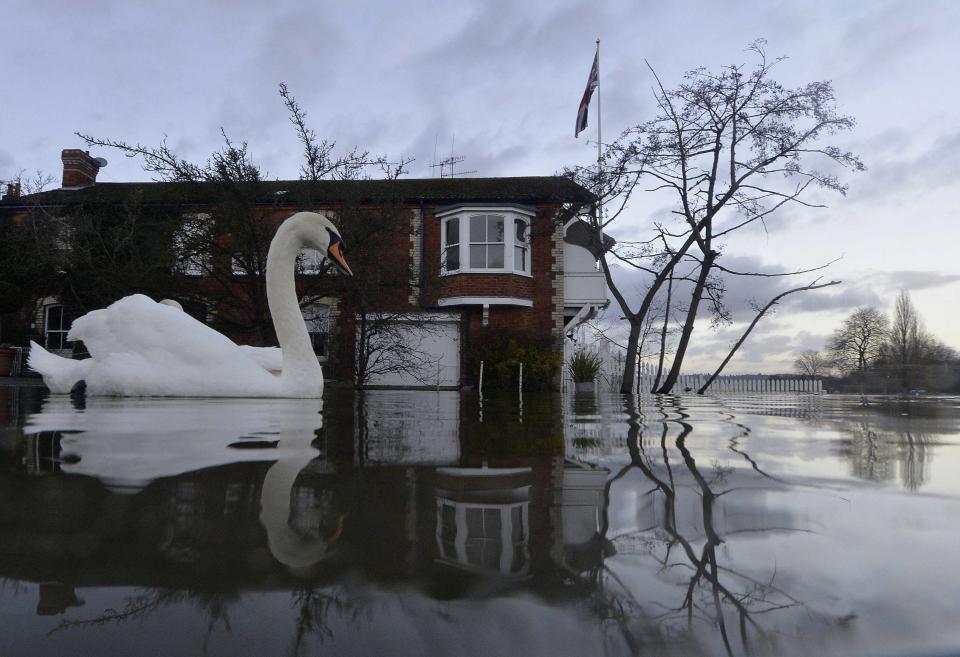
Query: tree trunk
x=674, y=373
x=630, y=366
x=663, y=333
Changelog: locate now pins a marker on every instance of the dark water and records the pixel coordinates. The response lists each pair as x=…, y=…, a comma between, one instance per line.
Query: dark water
x=412, y=523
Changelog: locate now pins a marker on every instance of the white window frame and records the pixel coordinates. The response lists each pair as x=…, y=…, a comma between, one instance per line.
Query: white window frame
x=510, y=215
x=60, y=331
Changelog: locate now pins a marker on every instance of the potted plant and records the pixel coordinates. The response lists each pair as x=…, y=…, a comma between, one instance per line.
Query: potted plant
x=584, y=366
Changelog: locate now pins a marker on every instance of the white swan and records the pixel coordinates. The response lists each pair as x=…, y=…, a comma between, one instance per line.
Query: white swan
x=142, y=348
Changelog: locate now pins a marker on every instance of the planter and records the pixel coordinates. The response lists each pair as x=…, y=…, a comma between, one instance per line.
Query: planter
x=6, y=361
x=585, y=386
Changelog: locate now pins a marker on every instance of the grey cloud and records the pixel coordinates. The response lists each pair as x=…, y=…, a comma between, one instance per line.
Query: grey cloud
x=918, y=280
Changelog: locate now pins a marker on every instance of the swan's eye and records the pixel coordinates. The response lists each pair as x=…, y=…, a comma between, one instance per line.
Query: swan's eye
x=336, y=239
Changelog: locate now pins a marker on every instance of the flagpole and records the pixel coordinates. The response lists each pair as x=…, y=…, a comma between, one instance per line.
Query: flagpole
x=599, y=146
x=599, y=139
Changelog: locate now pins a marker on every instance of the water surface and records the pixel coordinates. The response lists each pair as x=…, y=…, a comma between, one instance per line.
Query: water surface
x=434, y=523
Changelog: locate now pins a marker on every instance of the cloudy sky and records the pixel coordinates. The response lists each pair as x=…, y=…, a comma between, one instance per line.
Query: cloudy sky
x=498, y=83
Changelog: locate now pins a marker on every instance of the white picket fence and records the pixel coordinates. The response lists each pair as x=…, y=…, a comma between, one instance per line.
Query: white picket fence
x=723, y=384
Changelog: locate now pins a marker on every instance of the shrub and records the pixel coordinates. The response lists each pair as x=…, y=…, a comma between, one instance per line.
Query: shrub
x=502, y=356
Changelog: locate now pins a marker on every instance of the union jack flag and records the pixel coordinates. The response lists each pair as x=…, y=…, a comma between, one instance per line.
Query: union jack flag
x=592, y=83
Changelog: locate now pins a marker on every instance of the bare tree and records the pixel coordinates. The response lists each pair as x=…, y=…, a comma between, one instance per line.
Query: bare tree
x=732, y=147
x=859, y=341
x=226, y=243
x=760, y=313
x=812, y=363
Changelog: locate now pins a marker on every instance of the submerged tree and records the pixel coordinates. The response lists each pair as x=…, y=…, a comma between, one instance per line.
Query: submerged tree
x=732, y=147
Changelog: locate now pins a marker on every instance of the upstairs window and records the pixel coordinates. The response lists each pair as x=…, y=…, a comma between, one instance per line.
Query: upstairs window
x=521, y=242
x=496, y=240
x=486, y=241
x=451, y=245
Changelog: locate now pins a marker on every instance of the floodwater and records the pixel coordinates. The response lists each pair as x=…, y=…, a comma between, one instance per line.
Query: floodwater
x=429, y=523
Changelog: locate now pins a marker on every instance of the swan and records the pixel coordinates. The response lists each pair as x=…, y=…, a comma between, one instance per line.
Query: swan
x=142, y=348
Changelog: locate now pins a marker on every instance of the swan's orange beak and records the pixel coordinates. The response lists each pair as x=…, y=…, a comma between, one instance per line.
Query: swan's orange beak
x=337, y=258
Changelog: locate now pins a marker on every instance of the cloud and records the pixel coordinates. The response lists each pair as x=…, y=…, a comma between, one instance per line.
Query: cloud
x=911, y=280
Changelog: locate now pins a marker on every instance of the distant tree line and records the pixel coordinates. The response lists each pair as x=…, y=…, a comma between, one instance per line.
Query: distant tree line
x=873, y=352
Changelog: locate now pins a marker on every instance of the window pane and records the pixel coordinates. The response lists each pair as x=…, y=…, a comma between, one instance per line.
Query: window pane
x=495, y=256
x=452, y=262
x=521, y=227
x=516, y=520
x=519, y=258
x=453, y=231
x=474, y=523
x=478, y=256
x=54, y=318
x=478, y=227
x=494, y=228
x=448, y=523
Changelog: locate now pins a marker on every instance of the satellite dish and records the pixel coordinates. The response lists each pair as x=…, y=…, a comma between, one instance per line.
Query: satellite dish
x=100, y=161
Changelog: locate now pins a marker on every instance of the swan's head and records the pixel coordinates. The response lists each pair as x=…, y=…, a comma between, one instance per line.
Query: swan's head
x=325, y=238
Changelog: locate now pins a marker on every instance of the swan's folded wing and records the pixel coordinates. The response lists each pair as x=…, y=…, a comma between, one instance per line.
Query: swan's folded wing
x=269, y=358
x=137, y=337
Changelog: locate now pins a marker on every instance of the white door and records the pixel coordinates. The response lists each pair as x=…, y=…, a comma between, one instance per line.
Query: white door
x=431, y=344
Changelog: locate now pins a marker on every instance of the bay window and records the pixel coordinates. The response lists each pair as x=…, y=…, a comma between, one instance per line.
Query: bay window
x=488, y=240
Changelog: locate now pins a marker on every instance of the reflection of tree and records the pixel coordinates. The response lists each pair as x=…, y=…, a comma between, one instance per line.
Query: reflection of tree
x=214, y=605
x=713, y=592
x=874, y=455
x=314, y=605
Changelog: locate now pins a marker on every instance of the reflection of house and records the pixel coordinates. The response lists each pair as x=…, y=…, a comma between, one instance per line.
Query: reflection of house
x=472, y=260
x=483, y=520
x=581, y=498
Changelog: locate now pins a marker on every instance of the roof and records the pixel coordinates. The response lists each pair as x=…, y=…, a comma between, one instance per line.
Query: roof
x=521, y=190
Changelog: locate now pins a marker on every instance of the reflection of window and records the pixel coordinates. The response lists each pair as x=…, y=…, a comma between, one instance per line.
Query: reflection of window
x=317, y=318
x=483, y=537
x=55, y=327
x=486, y=242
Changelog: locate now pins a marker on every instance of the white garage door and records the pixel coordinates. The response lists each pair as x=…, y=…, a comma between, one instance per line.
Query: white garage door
x=420, y=351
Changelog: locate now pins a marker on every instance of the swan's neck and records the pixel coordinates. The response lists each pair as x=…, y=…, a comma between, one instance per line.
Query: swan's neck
x=299, y=362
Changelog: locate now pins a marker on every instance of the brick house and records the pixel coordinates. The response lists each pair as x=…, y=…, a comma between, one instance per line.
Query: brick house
x=478, y=258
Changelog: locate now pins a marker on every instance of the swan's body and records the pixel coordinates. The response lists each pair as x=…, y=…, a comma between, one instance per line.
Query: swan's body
x=139, y=347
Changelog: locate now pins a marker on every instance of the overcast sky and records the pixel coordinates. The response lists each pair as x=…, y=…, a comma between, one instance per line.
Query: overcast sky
x=499, y=83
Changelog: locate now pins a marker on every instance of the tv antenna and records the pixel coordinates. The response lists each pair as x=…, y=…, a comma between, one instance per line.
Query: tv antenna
x=448, y=166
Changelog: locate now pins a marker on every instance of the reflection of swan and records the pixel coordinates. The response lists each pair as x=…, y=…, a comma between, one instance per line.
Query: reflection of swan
x=142, y=348
x=127, y=444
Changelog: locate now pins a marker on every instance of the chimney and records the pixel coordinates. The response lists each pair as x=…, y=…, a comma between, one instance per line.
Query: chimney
x=13, y=191
x=79, y=169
